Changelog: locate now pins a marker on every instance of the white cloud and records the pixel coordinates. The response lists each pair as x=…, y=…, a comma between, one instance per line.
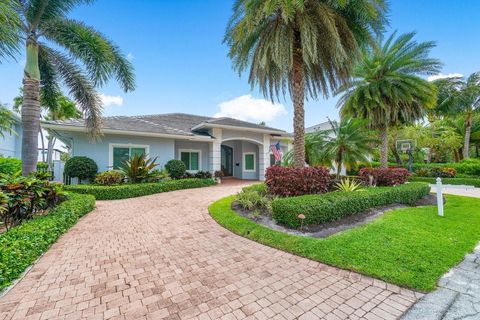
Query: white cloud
x=249, y=108
x=130, y=56
x=444, y=76
x=108, y=101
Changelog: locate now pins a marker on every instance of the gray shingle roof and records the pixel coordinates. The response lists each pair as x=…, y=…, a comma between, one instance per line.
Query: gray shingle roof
x=171, y=123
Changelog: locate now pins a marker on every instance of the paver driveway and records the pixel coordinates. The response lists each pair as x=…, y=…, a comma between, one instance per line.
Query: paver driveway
x=162, y=256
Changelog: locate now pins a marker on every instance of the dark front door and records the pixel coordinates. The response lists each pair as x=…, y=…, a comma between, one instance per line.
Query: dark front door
x=227, y=161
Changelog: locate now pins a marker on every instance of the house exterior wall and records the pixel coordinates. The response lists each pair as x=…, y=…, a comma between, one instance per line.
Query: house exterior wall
x=194, y=145
x=163, y=149
x=11, y=143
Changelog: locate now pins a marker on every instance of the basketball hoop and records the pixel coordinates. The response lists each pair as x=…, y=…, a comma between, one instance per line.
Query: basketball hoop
x=404, y=146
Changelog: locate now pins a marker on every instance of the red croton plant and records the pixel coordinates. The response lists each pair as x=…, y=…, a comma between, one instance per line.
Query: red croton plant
x=384, y=176
x=285, y=182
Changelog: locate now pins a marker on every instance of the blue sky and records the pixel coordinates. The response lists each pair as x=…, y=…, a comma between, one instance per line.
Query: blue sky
x=182, y=66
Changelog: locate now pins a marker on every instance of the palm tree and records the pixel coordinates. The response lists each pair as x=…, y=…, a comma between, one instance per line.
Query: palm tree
x=305, y=48
x=457, y=94
x=59, y=51
x=387, y=88
x=348, y=143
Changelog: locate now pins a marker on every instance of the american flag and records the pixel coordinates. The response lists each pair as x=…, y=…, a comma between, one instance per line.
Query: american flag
x=276, y=151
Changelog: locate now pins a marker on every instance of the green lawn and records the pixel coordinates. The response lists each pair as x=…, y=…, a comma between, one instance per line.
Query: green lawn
x=411, y=247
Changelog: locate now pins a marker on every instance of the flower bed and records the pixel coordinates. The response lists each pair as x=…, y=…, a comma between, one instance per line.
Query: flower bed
x=125, y=191
x=332, y=206
x=23, y=244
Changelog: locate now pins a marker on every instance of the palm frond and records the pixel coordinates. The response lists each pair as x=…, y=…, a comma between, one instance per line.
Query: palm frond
x=10, y=25
x=39, y=11
x=102, y=59
x=79, y=86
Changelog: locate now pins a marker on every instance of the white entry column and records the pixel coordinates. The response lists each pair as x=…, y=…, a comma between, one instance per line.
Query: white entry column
x=215, y=151
x=264, y=157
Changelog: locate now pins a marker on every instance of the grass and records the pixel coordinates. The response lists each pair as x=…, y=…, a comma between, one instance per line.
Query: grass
x=410, y=247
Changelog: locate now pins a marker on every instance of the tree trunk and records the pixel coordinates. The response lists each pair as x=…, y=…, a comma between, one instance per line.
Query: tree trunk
x=43, y=144
x=297, y=89
x=30, y=109
x=384, y=147
x=50, y=144
x=468, y=131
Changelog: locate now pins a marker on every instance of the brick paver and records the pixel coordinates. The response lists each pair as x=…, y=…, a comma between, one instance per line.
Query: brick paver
x=163, y=257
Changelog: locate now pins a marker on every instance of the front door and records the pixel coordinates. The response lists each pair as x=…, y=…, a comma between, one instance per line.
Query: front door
x=227, y=161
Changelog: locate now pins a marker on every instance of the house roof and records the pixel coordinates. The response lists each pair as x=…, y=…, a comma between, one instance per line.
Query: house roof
x=319, y=127
x=175, y=124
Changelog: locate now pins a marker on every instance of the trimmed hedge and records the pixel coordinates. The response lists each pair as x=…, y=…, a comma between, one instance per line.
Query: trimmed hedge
x=10, y=165
x=470, y=167
x=455, y=181
x=22, y=245
x=336, y=205
x=126, y=191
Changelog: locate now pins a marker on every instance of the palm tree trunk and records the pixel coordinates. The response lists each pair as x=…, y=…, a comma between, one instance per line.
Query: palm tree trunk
x=468, y=131
x=297, y=87
x=30, y=109
x=384, y=147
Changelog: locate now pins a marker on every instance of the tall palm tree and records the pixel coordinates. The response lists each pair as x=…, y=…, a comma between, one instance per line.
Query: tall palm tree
x=305, y=48
x=64, y=51
x=459, y=95
x=348, y=143
x=387, y=88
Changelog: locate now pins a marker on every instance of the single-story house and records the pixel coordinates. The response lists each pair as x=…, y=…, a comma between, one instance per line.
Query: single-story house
x=238, y=148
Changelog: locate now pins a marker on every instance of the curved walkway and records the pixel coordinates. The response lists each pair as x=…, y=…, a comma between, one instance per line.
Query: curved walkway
x=162, y=256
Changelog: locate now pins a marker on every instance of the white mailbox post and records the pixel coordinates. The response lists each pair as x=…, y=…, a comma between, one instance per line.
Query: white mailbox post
x=439, y=197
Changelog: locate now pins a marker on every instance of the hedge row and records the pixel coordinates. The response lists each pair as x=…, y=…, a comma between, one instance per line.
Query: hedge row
x=466, y=167
x=336, y=205
x=10, y=165
x=455, y=181
x=125, y=191
x=22, y=245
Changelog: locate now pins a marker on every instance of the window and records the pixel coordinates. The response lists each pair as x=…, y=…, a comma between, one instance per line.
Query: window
x=191, y=158
x=121, y=153
x=249, y=161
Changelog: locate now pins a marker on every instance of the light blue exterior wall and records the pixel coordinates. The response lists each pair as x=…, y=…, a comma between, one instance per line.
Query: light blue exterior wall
x=194, y=145
x=239, y=147
x=11, y=144
x=99, y=151
x=241, y=135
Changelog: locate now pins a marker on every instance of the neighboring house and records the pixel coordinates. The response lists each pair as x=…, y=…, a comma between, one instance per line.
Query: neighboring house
x=11, y=143
x=240, y=149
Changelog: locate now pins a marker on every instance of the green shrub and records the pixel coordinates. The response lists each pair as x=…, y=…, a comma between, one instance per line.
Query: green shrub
x=203, y=175
x=254, y=197
x=336, y=205
x=82, y=168
x=455, y=181
x=10, y=165
x=126, y=191
x=470, y=167
x=176, y=169
x=108, y=178
x=22, y=245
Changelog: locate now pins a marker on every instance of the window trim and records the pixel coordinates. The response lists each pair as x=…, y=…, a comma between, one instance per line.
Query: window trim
x=124, y=145
x=190, y=151
x=254, y=162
